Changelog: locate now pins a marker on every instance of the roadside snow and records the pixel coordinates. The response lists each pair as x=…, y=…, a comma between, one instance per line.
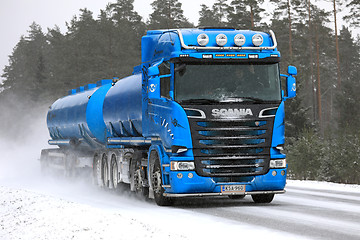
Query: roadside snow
x=324, y=186
x=29, y=215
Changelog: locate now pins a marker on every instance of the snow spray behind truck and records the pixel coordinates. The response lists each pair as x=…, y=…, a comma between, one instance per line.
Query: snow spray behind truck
x=203, y=115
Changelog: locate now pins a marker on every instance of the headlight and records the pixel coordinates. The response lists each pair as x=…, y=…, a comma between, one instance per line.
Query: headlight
x=257, y=40
x=182, y=166
x=278, y=163
x=239, y=40
x=221, y=39
x=203, y=39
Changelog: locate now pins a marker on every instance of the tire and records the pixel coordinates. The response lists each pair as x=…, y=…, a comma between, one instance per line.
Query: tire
x=156, y=182
x=262, y=198
x=114, y=173
x=105, y=171
x=236, y=197
x=138, y=176
x=97, y=171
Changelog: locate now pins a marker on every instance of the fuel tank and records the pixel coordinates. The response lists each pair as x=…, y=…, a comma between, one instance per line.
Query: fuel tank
x=92, y=113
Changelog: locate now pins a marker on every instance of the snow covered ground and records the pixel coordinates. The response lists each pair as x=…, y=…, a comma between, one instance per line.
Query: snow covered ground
x=37, y=207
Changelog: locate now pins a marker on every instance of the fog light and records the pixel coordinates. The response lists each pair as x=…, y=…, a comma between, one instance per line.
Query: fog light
x=278, y=163
x=274, y=173
x=190, y=175
x=179, y=175
x=283, y=173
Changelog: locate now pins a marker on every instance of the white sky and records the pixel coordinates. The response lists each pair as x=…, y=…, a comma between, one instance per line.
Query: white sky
x=17, y=15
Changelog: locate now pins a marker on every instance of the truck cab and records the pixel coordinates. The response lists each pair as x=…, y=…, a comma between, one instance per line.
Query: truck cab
x=213, y=99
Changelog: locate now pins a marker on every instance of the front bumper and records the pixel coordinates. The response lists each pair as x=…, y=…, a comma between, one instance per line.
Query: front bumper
x=220, y=194
x=196, y=186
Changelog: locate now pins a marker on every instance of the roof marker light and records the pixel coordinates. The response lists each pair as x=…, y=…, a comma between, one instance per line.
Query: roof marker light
x=203, y=39
x=221, y=39
x=257, y=40
x=239, y=40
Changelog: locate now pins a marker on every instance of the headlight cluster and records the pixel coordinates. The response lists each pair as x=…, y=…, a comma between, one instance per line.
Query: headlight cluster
x=182, y=166
x=278, y=163
x=221, y=39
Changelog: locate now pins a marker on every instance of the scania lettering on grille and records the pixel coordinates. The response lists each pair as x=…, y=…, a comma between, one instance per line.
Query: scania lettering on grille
x=231, y=112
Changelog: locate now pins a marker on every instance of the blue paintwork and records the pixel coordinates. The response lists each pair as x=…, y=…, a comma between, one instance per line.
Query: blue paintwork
x=123, y=108
x=132, y=109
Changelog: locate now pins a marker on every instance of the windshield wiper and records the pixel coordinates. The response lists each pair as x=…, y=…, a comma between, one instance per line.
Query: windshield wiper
x=243, y=99
x=199, y=101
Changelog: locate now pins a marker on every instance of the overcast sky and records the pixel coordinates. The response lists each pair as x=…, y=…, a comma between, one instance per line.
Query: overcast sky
x=17, y=15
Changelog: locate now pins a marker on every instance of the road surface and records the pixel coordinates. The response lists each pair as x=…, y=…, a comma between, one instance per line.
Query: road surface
x=320, y=213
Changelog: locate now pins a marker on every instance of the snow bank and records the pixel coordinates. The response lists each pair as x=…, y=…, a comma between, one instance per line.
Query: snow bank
x=28, y=215
x=324, y=186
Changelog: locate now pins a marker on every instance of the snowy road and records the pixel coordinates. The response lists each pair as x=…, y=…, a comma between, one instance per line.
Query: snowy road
x=314, y=212
x=57, y=209
x=33, y=207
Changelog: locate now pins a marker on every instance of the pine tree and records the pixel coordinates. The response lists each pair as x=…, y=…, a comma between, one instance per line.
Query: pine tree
x=348, y=98
x=207, y=17
x=255, y=10
x=220, y=11
x=167, y=14
x=238, y=15
x=354, y=16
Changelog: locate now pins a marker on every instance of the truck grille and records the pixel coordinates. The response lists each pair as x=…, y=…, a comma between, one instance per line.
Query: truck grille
x=231, y=147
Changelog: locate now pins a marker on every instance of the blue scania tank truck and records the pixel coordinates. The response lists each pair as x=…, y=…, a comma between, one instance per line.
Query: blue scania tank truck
x=203, y=115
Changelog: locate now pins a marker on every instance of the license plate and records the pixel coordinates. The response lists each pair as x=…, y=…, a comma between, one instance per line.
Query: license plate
x=232, y=188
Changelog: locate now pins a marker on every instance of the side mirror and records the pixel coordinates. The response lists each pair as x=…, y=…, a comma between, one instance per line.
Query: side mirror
x=292, y=70
x=290, y=87
x=290, y=83
x=153, y=88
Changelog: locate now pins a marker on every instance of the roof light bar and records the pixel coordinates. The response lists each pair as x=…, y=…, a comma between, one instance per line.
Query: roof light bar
x=183, y=45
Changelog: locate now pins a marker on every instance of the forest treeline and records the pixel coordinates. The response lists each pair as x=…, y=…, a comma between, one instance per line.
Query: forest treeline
x=322, y=122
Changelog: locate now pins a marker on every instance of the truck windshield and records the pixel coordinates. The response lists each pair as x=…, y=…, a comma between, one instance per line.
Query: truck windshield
x=214, y=82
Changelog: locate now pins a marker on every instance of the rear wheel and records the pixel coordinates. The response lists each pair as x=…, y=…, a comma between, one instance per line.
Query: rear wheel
x=262, y=198
x=105, y=171
x=114, y=173
x=97, y=171
x=156, y=181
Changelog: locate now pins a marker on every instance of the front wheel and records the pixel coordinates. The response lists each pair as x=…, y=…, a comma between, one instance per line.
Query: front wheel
x=156, y=182
x=262, y=198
